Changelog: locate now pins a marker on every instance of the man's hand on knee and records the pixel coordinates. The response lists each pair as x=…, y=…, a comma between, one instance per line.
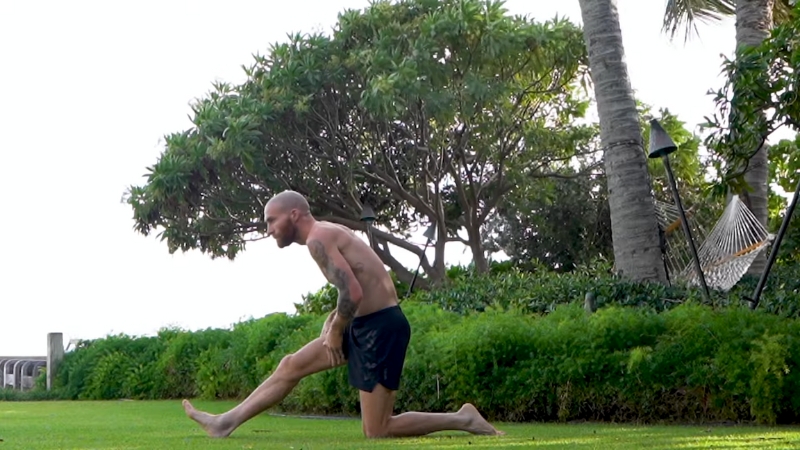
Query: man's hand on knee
x=327, y=326
x=333, y=344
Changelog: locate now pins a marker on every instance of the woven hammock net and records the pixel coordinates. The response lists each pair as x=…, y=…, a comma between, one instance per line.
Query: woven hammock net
x=725, y=253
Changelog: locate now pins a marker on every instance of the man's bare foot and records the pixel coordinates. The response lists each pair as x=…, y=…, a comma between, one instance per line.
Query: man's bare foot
x=476, y=424
x=210, y=423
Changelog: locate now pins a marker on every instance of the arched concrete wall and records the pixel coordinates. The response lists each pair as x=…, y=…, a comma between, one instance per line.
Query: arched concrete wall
x=20, y=372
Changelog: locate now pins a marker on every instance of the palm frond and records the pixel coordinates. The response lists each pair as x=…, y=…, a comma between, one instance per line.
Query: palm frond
x=684, y=14
x=782, y=11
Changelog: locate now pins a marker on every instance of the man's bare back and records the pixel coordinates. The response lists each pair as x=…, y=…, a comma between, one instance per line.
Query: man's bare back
x=378, y=288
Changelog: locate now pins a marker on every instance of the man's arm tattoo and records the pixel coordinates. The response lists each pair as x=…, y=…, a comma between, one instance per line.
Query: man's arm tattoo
x=345, y=307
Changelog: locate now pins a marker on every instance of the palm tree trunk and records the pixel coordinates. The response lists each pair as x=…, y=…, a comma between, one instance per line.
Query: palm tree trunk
x=634, y=225
x=753, y=25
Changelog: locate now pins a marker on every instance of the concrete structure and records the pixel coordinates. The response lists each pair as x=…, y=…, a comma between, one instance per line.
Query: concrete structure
x=55, y=353
x=20, y=372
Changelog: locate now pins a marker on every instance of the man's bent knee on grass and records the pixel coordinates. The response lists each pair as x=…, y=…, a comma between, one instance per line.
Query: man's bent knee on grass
x=368, y=331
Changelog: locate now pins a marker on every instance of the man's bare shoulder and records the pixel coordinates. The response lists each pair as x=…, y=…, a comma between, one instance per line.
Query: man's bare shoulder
x=328, y=233
x=337, y=228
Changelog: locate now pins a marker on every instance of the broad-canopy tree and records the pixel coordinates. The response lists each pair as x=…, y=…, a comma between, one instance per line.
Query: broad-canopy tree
x=428, y=111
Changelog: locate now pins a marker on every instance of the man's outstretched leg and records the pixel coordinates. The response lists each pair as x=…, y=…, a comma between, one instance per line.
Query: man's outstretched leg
x=378, y=422
x=310, y=359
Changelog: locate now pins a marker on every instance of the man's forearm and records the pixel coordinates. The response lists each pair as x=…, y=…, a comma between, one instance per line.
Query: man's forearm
x=345, y=311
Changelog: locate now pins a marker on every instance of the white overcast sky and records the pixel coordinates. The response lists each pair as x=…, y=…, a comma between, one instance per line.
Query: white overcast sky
x=88, y=90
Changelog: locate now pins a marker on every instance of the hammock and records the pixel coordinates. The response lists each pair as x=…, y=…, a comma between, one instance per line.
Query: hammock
x=725, y=253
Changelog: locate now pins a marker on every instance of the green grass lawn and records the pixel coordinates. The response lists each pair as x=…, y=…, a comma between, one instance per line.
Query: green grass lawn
x=125, y=425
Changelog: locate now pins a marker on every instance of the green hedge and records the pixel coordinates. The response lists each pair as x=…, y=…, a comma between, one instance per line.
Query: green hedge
x=540, y=291
x=176, y=363
x=517, y=344
x=691, y=363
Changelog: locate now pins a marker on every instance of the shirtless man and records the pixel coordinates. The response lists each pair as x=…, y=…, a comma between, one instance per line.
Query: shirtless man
x=367, y=331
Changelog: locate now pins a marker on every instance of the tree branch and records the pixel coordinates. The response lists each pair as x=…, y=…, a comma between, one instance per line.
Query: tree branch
x=458, y=239
x=414, y=200
x=585, y=171
x=256, y=239
x=460, y=191
x=378, y=234
x=403, y=273
x=490, y=204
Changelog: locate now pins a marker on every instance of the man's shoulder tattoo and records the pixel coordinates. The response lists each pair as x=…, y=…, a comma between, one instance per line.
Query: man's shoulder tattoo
x=317, y=250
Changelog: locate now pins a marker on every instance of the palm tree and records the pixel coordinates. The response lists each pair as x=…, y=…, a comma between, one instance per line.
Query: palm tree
x=754, y=20
x=634, y=225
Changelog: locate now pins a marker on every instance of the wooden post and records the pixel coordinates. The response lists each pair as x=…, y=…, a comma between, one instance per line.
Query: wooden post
x=590, y=302
x=55, y=353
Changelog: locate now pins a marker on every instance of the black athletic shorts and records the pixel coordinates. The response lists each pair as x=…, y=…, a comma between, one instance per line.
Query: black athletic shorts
x=375, y=347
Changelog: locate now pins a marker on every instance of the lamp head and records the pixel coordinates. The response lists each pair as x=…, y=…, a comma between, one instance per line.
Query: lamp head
x=430, y=233
x=661, y=144
x=367, y=213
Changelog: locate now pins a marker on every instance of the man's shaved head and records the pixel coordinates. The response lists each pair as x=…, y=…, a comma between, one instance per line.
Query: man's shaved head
x=287, y=201
x=284, y=213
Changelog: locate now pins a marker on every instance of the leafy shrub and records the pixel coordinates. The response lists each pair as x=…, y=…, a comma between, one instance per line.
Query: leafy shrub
x=517, y=344
x=213, y=363
x=540, y=291
x=689, y=363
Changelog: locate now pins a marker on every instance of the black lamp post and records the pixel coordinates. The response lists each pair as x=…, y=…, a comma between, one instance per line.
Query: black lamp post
x=661, y=145
x=773, y=253
x=368, y=216
x=430, y=235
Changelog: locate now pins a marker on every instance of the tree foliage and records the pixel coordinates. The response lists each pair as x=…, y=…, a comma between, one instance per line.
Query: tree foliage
x=565, y=222
x=784, y=171
x=429, y=111
x=767, y=89
x=765, y=81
